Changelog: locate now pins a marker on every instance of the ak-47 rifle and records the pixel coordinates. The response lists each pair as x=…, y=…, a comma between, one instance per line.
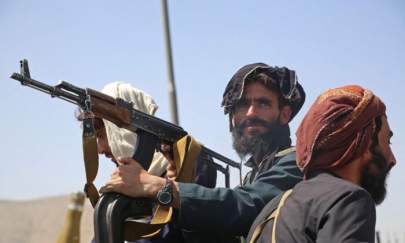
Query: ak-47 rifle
x=113, y=209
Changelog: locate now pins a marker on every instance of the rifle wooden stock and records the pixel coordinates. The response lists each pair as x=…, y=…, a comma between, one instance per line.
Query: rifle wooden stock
x=106, y=107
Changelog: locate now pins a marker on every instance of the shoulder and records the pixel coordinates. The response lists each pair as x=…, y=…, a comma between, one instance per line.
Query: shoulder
x=328, y=185
x=344, y=209
x=329, y=208
x=284, y=161
x=282, y=173
x=286, y=152
x=338, y=186
x=287, y=155
x=332, y=195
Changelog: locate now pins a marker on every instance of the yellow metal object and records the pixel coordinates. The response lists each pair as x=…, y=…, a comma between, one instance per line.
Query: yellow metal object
x=70, y=232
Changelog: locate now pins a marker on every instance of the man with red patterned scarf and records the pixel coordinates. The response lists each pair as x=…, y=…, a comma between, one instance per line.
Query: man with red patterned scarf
x=343, y=148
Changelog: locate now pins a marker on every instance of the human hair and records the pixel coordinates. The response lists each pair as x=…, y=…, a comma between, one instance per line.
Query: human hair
x=376, y=130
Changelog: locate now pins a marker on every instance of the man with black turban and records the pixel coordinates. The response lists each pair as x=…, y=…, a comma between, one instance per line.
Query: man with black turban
x=343, y=148
x=261, y=100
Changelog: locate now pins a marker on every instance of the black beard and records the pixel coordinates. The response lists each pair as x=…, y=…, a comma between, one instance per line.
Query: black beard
x=256, y=145
x=374, y=176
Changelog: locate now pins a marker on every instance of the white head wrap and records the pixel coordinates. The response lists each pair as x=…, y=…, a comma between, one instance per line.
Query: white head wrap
x=122, y=142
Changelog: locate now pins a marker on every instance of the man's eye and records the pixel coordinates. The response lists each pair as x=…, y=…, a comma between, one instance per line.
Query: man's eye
x=264, y=103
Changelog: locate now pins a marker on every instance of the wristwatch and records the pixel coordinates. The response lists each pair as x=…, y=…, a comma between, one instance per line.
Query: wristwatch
x=165, y=195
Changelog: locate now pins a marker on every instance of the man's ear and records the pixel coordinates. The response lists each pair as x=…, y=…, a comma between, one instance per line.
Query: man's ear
x=285, y=114
x=231, y=122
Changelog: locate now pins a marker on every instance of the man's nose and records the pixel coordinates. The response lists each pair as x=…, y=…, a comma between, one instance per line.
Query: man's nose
x=100, y=148
x=252, y=110
x=392, y=161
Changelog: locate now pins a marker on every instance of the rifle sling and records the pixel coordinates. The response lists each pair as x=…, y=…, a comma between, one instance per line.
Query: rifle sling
x=90, y=157
x=273, y=216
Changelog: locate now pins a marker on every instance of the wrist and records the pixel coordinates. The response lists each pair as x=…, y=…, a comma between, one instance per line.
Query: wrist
x=161, y=184
x=176, y=195
x=165, y=195
x=153, y=186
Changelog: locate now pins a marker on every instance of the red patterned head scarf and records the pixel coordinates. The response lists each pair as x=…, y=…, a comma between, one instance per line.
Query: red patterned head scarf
x=337, y=128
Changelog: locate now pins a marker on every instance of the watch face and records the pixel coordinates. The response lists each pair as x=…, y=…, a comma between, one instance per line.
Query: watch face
x=165, y=198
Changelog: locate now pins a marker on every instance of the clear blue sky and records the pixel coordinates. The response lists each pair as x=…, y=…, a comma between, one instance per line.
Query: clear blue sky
x=91, y=43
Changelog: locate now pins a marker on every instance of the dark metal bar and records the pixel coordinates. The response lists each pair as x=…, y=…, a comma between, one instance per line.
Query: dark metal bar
x=24, y=69
x=51, y=90
x=221, y=157
x=169, y=61
x=377, y=234
x=70, y=87
x=219, y=167
x=227, y=177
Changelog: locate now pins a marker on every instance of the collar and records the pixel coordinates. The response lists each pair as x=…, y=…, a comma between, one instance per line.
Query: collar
x=250, y=163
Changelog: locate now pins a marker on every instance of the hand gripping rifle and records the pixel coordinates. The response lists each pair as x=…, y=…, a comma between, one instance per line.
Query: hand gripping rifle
x=115, y=212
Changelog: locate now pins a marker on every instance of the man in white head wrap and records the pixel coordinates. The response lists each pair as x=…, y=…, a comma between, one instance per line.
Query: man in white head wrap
x=120, y=142
x=115, y=142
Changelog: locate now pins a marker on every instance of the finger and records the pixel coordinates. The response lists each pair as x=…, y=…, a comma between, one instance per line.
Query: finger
x=115, y=173
x=118, y=172
x=105, y=189
x=171, y=174
x=125, y=160
x=115, y=176
x=110, y=188
x=116, y=181
x=112, y=185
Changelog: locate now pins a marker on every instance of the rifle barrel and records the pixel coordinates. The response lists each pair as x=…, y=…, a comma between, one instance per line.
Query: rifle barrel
x=73, y=96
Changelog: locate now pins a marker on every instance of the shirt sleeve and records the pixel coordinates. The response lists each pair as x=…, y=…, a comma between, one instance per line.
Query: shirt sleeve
x=232, y=211
x=349, y=220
